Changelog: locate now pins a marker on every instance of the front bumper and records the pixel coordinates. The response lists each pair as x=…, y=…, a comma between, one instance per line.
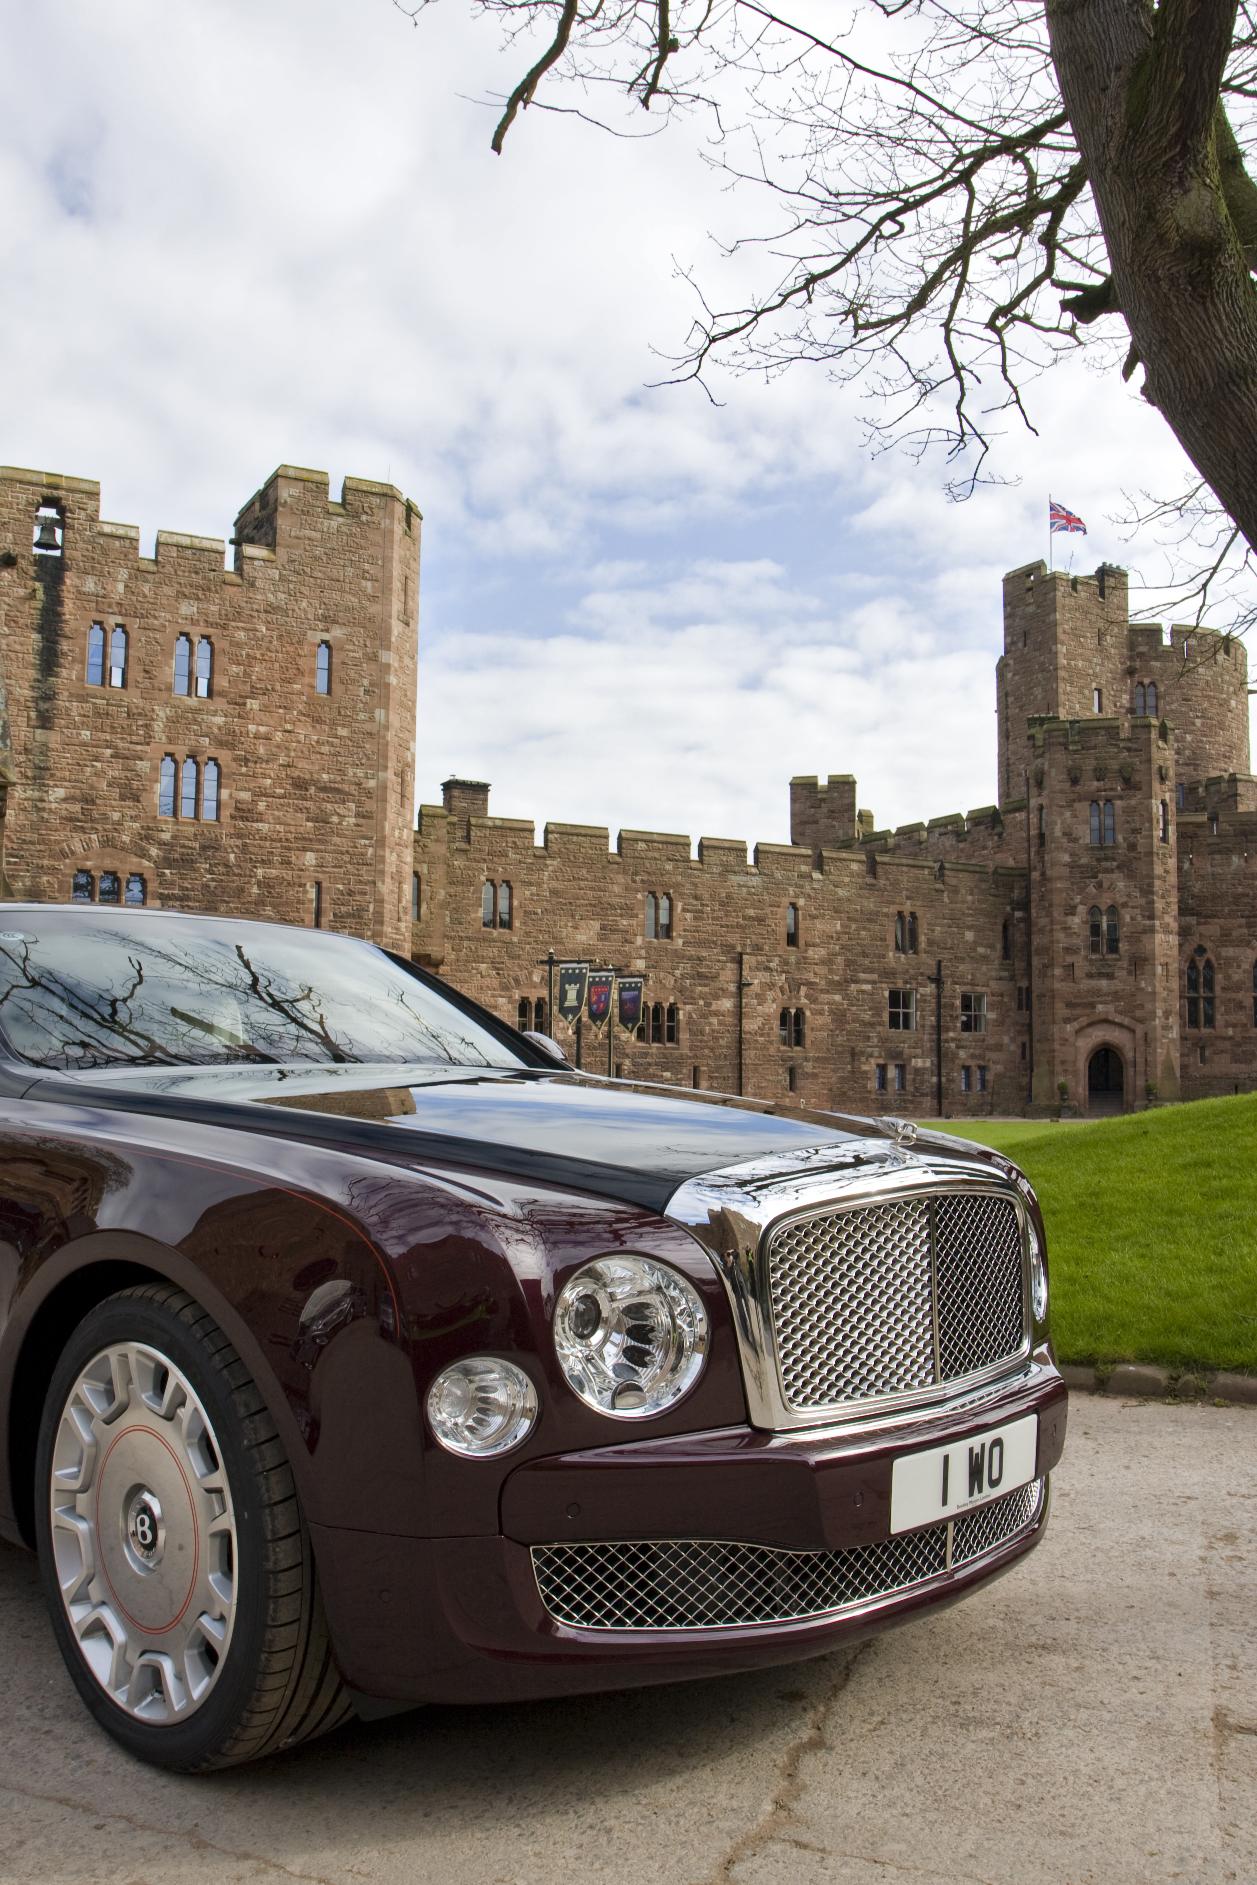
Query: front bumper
x=463, y=1619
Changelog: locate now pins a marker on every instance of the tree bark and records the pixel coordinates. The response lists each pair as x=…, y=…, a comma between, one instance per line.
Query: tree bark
x=1141, y=90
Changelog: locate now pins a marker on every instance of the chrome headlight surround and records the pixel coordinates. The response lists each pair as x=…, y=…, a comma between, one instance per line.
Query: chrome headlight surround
x=631, y=1336
x=481, y=1407
x=1038, y=1275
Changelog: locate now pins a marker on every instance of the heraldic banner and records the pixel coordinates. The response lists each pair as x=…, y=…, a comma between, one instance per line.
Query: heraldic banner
x=629, y=1004
x=600, y=995
x=573, y=981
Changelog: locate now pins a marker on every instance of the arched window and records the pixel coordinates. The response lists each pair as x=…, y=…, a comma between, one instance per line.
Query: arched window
x=96, y=655
x=183, y=664
x=1200, y=992
x=523, y=1017
x=1095, y=929
x=539, y=1014
x=504, y=906
x=671, y=1024
x=783, y=1027
x=110, y=887
x=1097, y=700
x=913, y=933
x=416, y=896
x=1110, y=823
x=901, y=933
x=796, y=1031
x=323, y=668
x=1006, y=940
x=118, y=656
x=136, y=892
x=1152, y=699
x=82, y=887
x=1141, y=700
x=166, y=787
x=1165, y=821
x=656, y=1022
x=188, y=781
x=652, y=916
x=1112, y=931
x=204, y=668
x=665, y=918
x=209, y=797
x=1096, y=827
x=792, y=926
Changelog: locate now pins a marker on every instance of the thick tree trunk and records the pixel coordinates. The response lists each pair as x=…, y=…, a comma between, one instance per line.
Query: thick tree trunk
x=1141, y=93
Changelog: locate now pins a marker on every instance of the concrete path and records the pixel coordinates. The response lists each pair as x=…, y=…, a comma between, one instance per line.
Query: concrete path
x=1090, y=1718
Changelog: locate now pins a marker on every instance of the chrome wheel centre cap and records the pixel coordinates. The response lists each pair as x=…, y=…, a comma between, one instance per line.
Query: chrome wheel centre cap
x=146, y=1533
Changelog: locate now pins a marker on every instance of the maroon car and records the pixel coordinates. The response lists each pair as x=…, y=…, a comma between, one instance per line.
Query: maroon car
x=354, y=1353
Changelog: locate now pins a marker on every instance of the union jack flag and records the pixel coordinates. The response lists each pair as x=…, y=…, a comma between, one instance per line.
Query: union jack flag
x=1061, y=519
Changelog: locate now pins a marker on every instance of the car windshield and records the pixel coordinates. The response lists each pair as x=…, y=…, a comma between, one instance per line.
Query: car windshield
x=96, y=990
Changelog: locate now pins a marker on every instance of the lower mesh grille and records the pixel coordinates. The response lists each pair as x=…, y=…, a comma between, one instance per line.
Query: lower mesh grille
x=700, y=1584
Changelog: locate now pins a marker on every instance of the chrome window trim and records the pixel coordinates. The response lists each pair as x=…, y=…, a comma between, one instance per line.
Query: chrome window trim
x=734, y=1212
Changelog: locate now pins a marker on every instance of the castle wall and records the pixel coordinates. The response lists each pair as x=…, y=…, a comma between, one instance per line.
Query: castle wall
x=315, y=788
x=1217, y=898
x=575, y=895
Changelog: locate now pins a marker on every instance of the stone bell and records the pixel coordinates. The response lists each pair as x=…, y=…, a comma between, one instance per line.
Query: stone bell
x=46, y=535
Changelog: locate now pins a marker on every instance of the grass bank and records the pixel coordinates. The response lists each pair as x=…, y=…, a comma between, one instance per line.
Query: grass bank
x=1152, y=1230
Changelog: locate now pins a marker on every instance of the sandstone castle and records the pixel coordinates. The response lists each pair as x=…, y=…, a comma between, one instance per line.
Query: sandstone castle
x=175, y=731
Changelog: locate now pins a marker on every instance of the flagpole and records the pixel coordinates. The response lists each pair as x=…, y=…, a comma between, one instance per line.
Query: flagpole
x=1050, y=545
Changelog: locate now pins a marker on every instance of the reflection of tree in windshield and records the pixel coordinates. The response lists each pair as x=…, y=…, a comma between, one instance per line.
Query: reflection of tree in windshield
x=84, y=994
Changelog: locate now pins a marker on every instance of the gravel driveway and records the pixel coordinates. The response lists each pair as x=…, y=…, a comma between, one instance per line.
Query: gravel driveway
x=1091, y=1717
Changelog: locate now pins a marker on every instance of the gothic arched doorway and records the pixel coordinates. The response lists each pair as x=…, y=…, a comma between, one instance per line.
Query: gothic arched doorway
x=1106, y=1082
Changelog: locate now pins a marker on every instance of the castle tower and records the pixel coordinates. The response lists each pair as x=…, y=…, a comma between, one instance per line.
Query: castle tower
x=1071, y=653
x=227, y=739
x=1104, y=913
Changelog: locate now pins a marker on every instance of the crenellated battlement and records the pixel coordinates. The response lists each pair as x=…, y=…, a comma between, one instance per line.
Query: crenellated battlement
x=274, y=521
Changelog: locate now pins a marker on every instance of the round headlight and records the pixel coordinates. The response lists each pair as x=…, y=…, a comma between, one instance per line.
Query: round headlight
x=481, y=1407
x=1038, y=1277
x=631, y=1335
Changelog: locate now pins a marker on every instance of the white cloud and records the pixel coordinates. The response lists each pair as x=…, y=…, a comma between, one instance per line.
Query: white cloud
x=234, y=235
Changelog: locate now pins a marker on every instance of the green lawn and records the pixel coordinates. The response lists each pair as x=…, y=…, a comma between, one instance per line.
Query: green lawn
x=1152, y=1230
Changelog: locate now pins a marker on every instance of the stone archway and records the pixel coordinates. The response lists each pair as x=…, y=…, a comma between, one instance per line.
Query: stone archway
x=1106, y=1081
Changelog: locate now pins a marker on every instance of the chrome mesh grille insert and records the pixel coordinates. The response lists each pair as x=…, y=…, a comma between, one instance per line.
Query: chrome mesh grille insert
x=698, y=1584
x=852, y=1297
x=978, y=1532
x=851, y=1304
x=977, y=1264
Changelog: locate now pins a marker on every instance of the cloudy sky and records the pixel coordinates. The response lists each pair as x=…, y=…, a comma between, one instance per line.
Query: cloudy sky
x=254, y=231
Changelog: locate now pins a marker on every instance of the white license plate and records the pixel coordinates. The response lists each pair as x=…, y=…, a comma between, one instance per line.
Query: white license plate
x=928, y=1487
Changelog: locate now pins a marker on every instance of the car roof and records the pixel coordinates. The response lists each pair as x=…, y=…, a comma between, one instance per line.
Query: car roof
x=160, y=912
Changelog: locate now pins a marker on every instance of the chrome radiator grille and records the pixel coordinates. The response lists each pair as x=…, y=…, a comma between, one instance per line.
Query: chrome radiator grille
x=895, y=1298
x=700, y=1584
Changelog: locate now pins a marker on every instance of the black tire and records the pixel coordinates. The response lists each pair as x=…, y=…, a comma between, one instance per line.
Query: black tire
x=277, y=1684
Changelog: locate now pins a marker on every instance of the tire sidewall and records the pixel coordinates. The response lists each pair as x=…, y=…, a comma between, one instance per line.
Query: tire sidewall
x=194, y=1742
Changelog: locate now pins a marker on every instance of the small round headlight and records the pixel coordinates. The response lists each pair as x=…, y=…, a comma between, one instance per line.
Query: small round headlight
x=631, y=1335
x=481, y=1407
x=1038, y=1277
